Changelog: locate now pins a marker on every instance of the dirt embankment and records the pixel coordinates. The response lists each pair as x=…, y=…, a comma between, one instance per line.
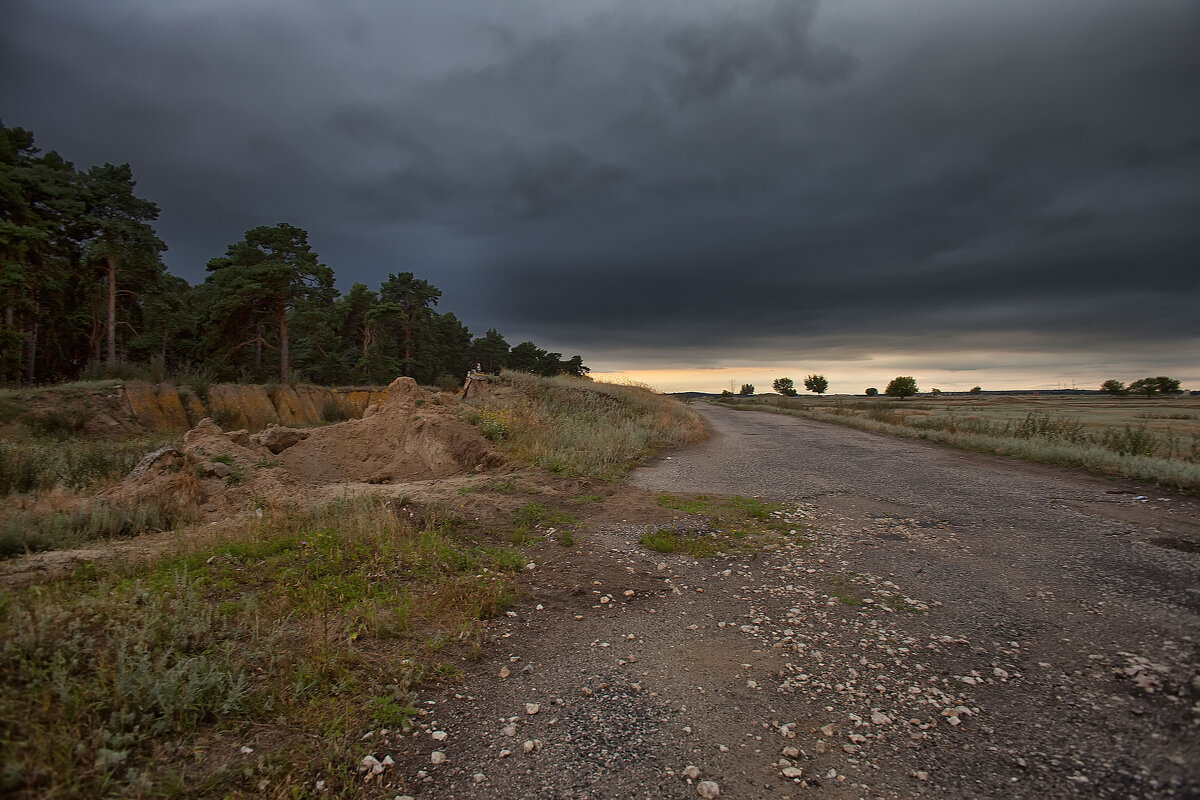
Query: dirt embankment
x=135, y=407
x=406, y=437
x=169, y=408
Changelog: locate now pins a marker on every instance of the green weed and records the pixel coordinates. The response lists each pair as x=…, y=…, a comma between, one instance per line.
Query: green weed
x=664, y=540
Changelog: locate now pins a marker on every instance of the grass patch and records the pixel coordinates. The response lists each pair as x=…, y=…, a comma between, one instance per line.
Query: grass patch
x=700, y=504
x=41, y=464
x=296, y=635
x=27, y=532
x=669, y=541
x=724, y=526
x=572, y=426
x=531, y=522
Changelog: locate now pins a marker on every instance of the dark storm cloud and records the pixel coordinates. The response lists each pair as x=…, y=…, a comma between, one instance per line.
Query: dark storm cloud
x=692, y=181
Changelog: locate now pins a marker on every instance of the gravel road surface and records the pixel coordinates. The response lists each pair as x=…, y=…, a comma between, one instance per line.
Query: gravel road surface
x=957, y=625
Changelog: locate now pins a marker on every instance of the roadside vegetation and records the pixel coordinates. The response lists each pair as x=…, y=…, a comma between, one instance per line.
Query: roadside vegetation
x=580, y=427
x=1155, y=440
x=249, y=657
x=300, y=630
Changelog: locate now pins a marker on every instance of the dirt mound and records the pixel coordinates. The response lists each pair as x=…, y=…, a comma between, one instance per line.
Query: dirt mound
x=407, y=437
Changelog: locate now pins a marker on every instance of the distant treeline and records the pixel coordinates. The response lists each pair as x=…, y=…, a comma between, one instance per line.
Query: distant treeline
x=84, y=291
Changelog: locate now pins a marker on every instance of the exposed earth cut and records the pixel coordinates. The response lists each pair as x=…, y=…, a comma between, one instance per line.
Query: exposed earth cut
x=408, y=436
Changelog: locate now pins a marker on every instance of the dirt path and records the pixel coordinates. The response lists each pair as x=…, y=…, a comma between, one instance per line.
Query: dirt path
x=963, y=626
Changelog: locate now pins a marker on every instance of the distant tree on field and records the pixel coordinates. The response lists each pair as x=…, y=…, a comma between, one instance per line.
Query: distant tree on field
x=747, y=388
x=976, y=390
x=816, y=383
x=726, y=393
x=902, y=386
x=935, y=391
x=1167, y=385
x=1146, y=386
x=872, y=392
x=1114, y=387
x=785, y=387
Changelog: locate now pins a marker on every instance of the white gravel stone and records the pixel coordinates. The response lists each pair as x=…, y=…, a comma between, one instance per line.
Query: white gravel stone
x=532, y=708
x=479, y=777
x=792, y=772
x=691, y=772
x=437, y=757
x=439, y=736
x=708, y=789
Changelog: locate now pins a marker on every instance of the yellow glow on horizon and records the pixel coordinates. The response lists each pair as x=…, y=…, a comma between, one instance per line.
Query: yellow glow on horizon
x=854, y=377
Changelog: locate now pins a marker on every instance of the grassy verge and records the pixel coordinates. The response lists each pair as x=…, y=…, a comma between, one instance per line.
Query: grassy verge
x=301, y=632
x=710, y=526
x=580, y=427
x=41, y=463
x=1133, y=450
x=31, y=532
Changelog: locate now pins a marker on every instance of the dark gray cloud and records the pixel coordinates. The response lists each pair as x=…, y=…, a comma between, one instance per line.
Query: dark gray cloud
x=692, y=183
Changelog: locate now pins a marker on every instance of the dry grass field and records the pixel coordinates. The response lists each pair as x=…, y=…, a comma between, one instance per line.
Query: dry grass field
x=1147, y=438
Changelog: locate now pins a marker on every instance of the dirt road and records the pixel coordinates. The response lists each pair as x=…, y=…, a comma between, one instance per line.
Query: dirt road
x=960, y=626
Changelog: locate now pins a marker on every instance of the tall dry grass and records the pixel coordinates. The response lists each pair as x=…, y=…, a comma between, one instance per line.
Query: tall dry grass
x=1126, y=449
x=582, y=427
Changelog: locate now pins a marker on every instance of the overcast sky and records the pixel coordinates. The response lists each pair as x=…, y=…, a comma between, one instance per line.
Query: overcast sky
x=972, y=192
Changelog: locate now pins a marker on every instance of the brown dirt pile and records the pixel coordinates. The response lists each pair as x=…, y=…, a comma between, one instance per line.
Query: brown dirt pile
x=404, y=438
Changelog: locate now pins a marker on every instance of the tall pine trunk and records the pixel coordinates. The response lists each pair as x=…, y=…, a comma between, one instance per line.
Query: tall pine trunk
x=12, y=366
x=31, y=375
x=258, y=340
x=283, y=342
x=112, y=310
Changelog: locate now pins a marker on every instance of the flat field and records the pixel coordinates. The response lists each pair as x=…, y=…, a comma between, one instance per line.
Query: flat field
x=1150, y=438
